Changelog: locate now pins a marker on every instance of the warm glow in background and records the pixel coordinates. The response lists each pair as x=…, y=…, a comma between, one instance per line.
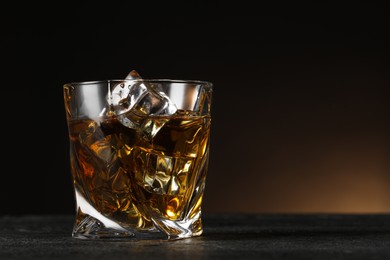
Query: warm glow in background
x=300, y=106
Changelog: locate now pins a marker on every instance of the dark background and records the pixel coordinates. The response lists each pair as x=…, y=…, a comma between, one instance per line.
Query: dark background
x=300, y=106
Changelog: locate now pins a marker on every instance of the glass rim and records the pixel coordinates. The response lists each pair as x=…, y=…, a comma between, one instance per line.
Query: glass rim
x=204, y=83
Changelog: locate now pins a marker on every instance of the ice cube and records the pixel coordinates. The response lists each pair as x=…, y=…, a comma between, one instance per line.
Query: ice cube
x=133, y=75
x=125, y=95
x=91, y=134
x=134, y=101
x=162, y=174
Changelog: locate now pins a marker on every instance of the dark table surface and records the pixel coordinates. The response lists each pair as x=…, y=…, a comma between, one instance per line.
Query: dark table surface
x=228, y=236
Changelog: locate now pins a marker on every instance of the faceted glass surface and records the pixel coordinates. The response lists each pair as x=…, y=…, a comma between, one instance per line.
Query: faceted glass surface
x=139, y=151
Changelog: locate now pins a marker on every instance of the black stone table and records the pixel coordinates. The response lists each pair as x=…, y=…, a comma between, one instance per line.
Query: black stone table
x=234, y=236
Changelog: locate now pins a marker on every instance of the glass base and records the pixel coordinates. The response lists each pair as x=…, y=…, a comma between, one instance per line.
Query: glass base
x=91, y=224
x=91, y=228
